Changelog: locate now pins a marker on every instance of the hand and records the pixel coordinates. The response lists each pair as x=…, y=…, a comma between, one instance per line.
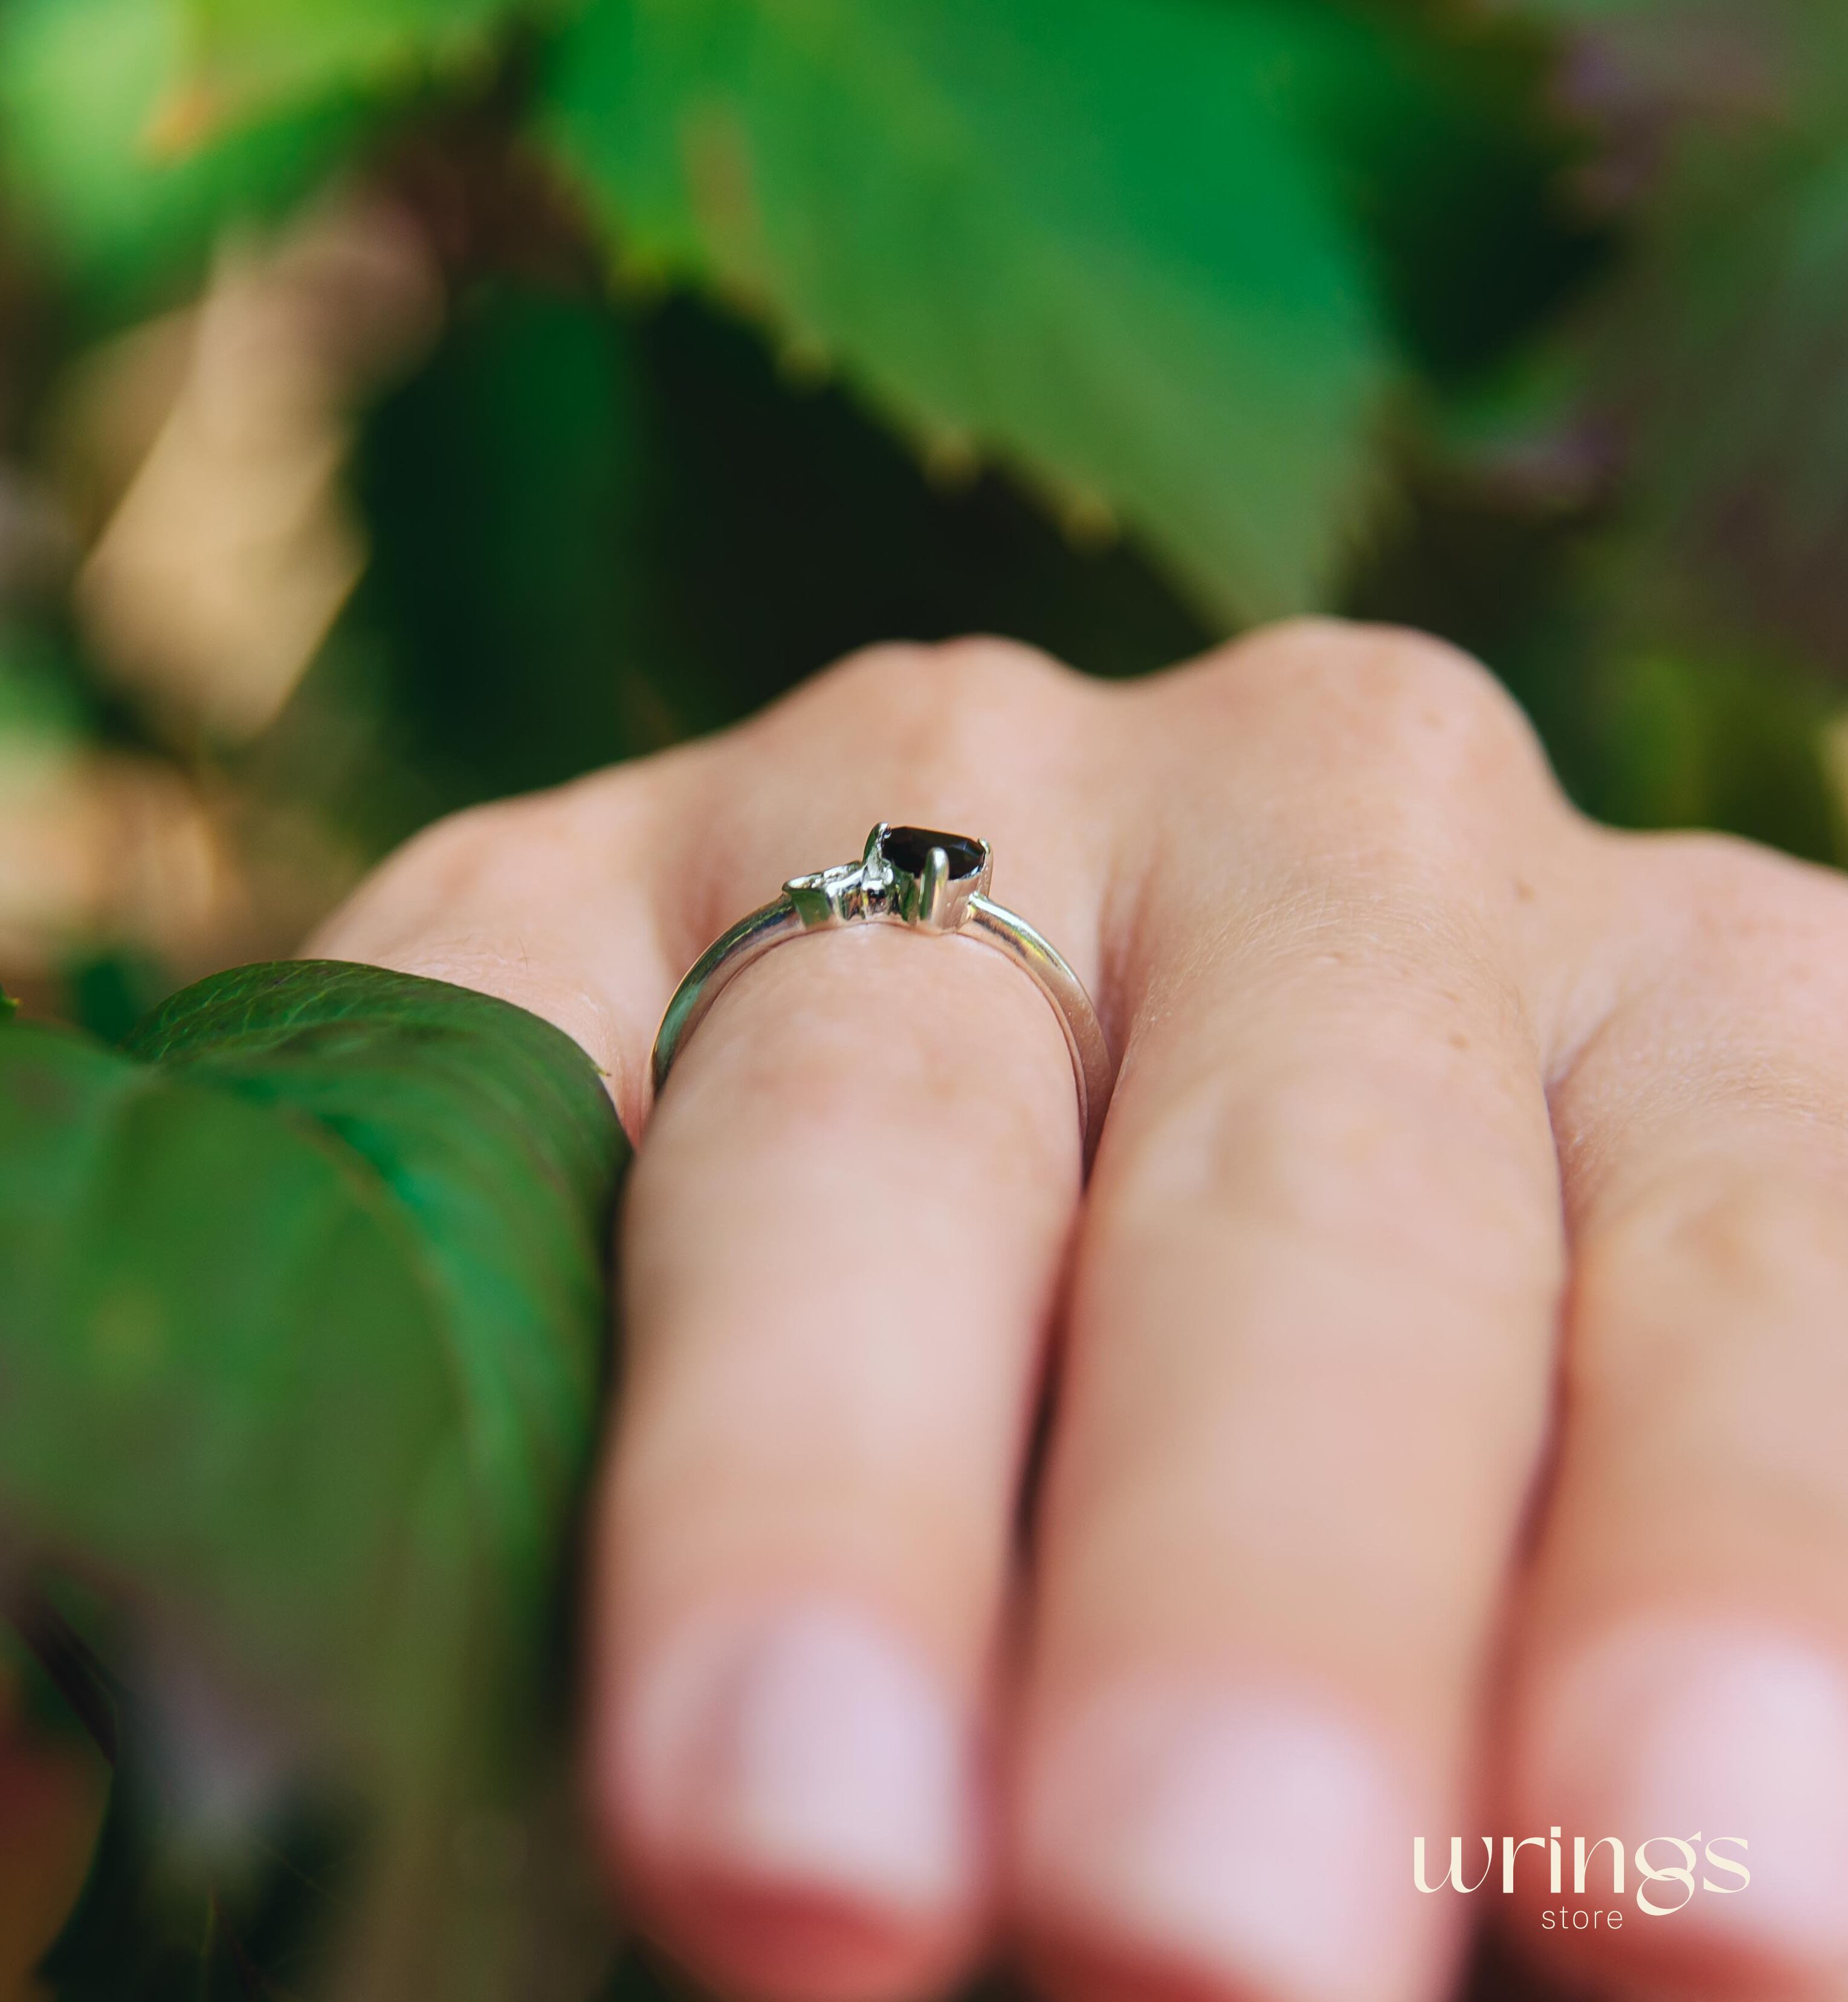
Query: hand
x=1445, y=1367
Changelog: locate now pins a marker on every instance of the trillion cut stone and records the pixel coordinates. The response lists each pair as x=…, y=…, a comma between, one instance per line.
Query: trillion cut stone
x=908, y=849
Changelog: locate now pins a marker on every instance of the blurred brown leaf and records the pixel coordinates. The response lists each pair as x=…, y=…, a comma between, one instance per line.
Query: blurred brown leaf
x=225, y=561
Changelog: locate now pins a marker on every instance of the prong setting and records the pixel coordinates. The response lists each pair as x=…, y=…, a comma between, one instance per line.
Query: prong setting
x=931, y=882
x=933, y=886
x=907, y=875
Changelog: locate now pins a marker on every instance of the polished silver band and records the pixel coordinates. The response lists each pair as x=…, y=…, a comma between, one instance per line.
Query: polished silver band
x=932, y=882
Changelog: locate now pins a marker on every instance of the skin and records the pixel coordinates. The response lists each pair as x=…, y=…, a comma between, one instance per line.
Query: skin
x=1439, y=1383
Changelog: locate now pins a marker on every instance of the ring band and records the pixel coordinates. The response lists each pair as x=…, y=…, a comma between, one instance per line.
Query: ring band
x=911, y=876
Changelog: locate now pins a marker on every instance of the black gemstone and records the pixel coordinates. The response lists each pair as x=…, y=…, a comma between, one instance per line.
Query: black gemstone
x=907, y=848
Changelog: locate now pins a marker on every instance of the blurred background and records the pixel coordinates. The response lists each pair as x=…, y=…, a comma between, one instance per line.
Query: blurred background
x=407, y=402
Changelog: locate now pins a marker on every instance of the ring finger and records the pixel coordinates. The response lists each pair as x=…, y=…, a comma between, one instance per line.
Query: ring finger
x=841, y=1247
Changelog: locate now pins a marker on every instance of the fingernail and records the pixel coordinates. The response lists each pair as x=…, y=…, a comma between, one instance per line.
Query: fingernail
x=811, y=1750
x=1257, y=1845
x=1690, y=1730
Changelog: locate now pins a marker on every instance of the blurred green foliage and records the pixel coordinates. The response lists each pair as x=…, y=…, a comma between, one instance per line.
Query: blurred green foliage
x=1111, y=324
x=304, y=1336
x=769, y=328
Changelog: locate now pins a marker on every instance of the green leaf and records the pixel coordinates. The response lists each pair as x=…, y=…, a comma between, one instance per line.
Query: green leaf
x=136, y=130
x=127, y=167
x=301, y=1360
x=503, y=490
x=1090, y=236
x=1452, y=152
x=254, y=52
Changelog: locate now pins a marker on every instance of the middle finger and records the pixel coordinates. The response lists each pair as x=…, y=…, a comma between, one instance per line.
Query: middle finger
x=1311, y=1340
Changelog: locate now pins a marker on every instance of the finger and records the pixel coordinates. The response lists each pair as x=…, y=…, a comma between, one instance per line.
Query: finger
x=543, y=902
x=1309, y=1350
x=1685, y=1650
x=843, y=1239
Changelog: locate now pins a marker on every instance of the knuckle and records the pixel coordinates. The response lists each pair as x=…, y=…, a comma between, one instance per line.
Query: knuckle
x=411, y=893
x=1703, y=1314
x=1739, y=885
x=983, y=665
x=1393, y=704
x=1423, y=707
x=1327, y=1154
x=960, y=707
x=453, y=857
x=1720, y=1230
x=486, y=870
x=1314, y=1141
x=439, y=864
x=1751, y=924
x=978, y=673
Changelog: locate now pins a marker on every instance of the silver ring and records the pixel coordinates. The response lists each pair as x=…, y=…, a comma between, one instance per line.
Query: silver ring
x=909, y=876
